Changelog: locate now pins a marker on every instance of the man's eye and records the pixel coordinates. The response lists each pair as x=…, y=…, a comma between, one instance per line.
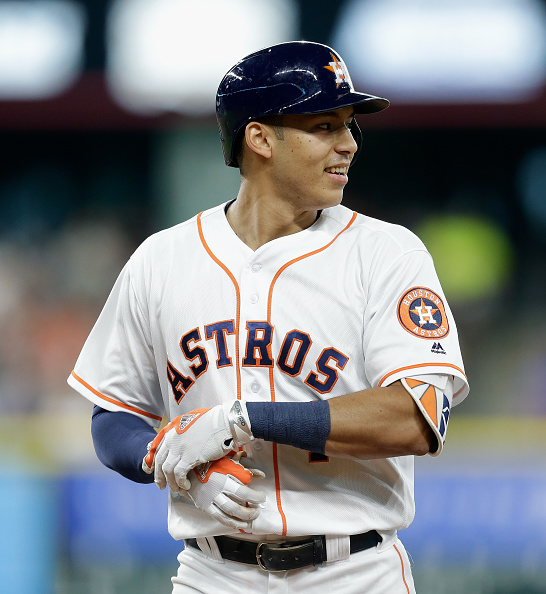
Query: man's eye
x=325, y=126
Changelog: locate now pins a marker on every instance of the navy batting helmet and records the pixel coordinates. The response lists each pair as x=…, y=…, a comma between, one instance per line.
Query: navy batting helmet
x=294, y=77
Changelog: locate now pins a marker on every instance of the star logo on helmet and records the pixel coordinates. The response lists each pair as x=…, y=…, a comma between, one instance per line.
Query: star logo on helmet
x=338, y=68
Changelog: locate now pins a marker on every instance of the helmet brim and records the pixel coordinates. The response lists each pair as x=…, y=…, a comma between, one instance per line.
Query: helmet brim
x=361, y=102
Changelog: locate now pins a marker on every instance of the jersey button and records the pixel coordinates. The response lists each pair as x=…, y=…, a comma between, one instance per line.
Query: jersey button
x=258, y=445
x=256, y=267
x=255, y=387
x=254, y=299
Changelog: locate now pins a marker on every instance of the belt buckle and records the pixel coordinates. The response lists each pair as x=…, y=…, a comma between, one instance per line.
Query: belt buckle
x=259, y=556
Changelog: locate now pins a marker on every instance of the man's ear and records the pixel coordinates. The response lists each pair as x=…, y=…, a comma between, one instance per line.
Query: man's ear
x=259, y=138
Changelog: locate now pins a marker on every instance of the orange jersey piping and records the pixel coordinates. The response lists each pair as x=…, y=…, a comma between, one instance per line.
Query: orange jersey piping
x=421, y=365
x=285, y=266
x=271, y=380
x=278, y=489
x=238, y=296
x=114, y=401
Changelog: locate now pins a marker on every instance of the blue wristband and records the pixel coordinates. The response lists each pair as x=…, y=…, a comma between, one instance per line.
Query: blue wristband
x=303, y=425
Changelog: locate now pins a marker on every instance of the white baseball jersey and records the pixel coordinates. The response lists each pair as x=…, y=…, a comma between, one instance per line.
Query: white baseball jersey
x=197, y=317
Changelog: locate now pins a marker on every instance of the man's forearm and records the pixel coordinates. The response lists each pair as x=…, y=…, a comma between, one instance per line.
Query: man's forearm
x=378, y=423
x=373, y=423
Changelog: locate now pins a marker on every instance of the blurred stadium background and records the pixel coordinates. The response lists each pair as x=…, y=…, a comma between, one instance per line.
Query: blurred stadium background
x=107, y=134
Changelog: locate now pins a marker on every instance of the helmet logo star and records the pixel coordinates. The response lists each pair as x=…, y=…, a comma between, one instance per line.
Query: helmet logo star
x=338, y=68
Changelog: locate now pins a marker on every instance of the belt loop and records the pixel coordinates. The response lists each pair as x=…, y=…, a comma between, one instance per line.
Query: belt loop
x=320, y=550
x=209, y=546
x=338, y=548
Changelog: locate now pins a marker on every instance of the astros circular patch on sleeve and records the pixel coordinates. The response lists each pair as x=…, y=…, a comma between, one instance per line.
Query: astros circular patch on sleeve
x=421, y=312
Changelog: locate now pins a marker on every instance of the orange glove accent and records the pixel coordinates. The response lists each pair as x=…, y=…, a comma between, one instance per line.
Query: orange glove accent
x=221, y=490
x=179, y=424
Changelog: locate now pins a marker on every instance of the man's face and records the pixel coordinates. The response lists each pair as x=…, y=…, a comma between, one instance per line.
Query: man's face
x=310, y=163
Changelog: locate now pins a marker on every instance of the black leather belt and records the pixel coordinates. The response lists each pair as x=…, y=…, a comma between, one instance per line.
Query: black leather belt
x=285, y=555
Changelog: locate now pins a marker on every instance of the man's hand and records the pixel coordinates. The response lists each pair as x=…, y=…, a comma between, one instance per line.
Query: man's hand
x=220, y=489
x=201, y=436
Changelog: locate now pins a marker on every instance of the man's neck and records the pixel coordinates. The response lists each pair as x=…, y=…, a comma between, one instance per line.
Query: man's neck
x=258, y=220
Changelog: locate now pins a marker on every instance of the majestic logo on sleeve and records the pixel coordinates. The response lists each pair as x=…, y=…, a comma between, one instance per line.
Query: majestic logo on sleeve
x=421, y=312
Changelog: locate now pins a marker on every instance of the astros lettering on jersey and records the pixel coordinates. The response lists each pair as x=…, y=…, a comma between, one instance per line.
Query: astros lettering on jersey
x=347, y=304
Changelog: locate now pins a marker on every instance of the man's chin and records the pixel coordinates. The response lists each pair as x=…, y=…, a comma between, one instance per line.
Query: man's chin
x=336, y=201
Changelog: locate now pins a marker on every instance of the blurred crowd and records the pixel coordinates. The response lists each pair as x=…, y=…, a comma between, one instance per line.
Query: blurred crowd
x=52, y=292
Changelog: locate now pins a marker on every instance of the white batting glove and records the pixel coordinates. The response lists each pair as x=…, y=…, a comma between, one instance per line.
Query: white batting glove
x=220, y=489
x=200, y=436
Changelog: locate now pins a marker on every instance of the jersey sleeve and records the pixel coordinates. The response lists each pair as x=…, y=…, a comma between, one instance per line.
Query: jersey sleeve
x=410, y=329
x=116, y=368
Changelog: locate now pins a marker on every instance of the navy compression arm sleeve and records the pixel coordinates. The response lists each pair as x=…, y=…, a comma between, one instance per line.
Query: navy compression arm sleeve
x=121, y=441
x=303, y=425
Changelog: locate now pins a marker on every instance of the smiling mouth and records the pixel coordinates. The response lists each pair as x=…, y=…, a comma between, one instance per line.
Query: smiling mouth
x=337, y=170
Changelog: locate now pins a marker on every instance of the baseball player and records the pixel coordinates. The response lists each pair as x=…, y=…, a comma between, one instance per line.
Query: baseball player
x=303, y=353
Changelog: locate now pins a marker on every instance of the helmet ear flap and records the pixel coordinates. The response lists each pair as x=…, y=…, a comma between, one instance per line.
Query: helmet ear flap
x=357, y=135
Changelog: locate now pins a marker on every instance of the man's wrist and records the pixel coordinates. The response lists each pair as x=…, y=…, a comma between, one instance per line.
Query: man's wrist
x=303, y=425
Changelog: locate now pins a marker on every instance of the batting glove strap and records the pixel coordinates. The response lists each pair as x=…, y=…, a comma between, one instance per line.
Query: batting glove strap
x=239, y=423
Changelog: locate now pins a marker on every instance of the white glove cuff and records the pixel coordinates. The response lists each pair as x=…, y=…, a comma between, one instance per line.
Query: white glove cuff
x=145, y=466
x=239, y=423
